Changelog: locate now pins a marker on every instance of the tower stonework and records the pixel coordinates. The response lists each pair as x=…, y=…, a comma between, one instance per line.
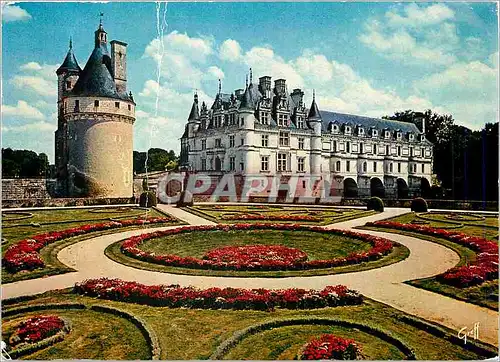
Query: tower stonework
x=94, y=139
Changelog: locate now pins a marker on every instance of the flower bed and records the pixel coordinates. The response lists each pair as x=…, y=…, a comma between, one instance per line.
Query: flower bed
x=130, y=247
x=217, y=298
x=485, y=267
x=36, y=329
x=285, y=217
x=256, y=254
x=329, y=346
x=24, y=254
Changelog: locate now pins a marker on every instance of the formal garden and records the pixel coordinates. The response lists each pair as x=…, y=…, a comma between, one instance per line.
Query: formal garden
x=109, y=318
x=310, y=215
x=473, y=236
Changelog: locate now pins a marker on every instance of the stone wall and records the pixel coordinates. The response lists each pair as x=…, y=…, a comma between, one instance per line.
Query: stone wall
x=17, y=189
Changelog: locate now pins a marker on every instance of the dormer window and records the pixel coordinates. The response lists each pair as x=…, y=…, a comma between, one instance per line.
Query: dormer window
x=411, y=137
x=399, y=135
x=387, y=134
x=347, y=129
x=374, y=133
x=96, y=103
x=300, y=122
x=422, y=137
x=68, y=84
x=361, y=131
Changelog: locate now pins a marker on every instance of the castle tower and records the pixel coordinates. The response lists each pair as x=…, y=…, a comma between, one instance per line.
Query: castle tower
x=314, y=121
x=98, y=116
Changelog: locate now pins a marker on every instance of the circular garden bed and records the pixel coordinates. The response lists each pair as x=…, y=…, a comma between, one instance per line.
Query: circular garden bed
x=255, y=250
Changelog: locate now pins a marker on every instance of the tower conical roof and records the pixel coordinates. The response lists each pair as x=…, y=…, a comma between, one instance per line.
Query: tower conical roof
x=194, y=115
x=314, y=111
x=69, y=63
x=247, y=101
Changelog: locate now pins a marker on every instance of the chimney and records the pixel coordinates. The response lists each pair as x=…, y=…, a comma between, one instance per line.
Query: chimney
x=265, y=86
x=297, y=96
x=119, y=65
x=280, y=86
x=419, y=120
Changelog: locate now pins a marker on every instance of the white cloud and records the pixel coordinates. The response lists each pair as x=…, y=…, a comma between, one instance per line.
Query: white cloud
x=31, y=66
x=22, y=110
x=493, y=59
x=14, y=13
x=41, y=126
x=417, y=16
x=214, y=73
x=41, y=79
x=230, y=50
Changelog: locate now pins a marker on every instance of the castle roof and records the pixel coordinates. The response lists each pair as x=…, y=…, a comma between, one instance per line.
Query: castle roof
x=194, y=114
x=366, y=122
x=69, y=63
x=314, y=113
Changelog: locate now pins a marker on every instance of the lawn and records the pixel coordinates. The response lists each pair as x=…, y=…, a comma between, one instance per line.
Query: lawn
x=316, y=245
x=196, y=334
x=486, y=294
x=55, y=220
x=274, y=213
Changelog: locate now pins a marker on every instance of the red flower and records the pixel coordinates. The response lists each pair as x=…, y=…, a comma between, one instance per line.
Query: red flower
x=329, y=346
x=39, y=327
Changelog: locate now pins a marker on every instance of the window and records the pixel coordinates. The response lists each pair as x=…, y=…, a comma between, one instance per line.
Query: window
x=203, y=144
x=390, y=167
x=423, y=168
x=399, y=167
x=374, y=149
x=387, y=134
x=232, y=165
x=284, y=138
x=231, y=141
x=218, y=142
x=303, y=184
x=117, y=104
x=348, y=166
x=77, y=105
x=203, y=164
x=411, y=136
x=242, y=120
x=242, y=141
x=347, y=129
x=96, y=103
x=282, y=120
x=242, y=166
x=334, y=146
x=387, y=150
x=68, y=85
x=281, y=162
x=129, y=107
x=415, y=167
x=361, y=131
x=422, y=154
x=300, y=122
x=265, y=140
x=374, y=166
x=361, y=148
x=264, y=117
x=348, y=147
x=300, y=164
x=301, y=143
x=232, y=119
x=337, y=166
x=264, y=163
x=411, y=151
x=399, y=135
x=364, y=167
x=374, y=133
x=399, y=150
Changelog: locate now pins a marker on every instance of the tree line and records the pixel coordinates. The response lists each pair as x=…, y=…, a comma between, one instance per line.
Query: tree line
x=465, y=161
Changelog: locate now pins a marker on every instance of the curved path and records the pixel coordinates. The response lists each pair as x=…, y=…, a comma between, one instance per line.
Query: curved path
x=383, y=284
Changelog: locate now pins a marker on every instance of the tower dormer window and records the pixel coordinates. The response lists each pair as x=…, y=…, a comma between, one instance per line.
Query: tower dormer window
x=77, y=105
x=96, y=103
x=68, y=84
x=117, y=104
x=129, y=107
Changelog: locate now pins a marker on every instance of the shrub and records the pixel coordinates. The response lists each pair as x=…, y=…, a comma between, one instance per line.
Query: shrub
x=147, y=199
x=419, y=205
x=375, y=203
x=186, y=199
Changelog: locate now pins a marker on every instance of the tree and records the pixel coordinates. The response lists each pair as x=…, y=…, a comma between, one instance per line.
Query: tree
x=157, y=160
x=24, y=163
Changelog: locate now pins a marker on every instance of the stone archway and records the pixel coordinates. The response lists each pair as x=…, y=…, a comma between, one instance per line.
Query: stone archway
x=218, y=164
x=377, y=187
x=402, y=189
x=425, y=188
x=350, y=188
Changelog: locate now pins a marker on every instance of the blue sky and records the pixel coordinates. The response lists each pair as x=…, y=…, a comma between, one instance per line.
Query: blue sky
x=362, y=58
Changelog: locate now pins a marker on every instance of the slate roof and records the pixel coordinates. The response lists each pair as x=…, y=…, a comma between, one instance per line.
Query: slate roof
x=366, y=122
x=194, y=114
x=69, y=63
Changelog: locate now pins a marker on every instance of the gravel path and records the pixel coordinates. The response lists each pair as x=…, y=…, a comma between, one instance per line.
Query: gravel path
x=383, y=284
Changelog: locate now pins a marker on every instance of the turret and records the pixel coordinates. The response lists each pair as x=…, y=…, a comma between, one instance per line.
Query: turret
x=67, y=73
x=314, y=122
x=314, y=117
x=194, y=118
x=101, y=37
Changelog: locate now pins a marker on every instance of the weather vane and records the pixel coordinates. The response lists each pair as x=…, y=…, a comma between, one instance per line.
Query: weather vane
x=100, y=20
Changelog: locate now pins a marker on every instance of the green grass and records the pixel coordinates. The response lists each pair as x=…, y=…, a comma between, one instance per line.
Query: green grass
x=285, y=343
x=328, y=215
x=195, y=334
x=76, y=217
x=93, y=335
x=316, y=245
x=484, y=295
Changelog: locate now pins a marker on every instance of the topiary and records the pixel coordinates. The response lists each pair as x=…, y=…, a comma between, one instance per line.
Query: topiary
x=419, y=205
x=147, y=199
x=375, y=203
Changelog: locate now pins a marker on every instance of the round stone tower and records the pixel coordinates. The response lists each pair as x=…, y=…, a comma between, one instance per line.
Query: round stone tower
x=95, y=127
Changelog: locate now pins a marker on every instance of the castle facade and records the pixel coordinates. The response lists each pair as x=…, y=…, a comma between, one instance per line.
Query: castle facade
x=266, y=130
x=94, y=136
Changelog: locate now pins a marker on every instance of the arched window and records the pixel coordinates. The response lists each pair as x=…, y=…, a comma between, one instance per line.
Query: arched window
x=337, y=166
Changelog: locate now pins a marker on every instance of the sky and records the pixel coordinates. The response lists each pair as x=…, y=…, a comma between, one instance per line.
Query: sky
x=371, y=59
